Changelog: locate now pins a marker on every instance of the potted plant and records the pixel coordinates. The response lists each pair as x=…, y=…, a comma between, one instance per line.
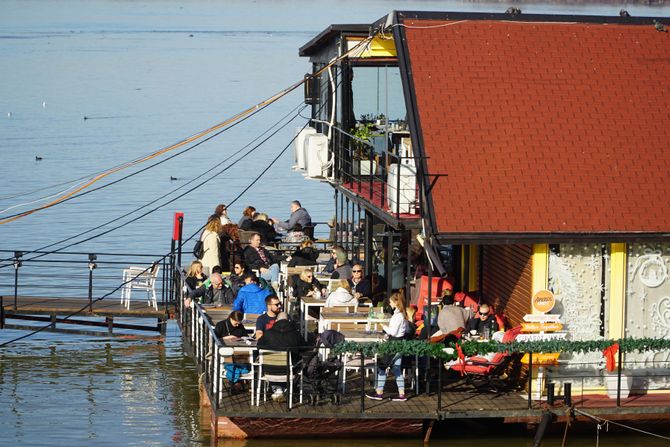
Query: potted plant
x=363, y=163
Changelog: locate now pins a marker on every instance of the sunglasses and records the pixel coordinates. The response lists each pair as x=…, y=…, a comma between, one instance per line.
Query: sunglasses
x=483, y=314
x=357, y=271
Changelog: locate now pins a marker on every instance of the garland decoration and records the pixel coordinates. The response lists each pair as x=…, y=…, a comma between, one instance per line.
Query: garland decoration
x=471, y=348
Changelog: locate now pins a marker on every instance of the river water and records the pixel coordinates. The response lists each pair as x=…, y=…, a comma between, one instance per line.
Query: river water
x=87, y=85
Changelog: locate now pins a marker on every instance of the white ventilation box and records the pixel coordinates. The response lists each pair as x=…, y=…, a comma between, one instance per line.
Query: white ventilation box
x=407, y=196
x=316, y=154
x=299, y=146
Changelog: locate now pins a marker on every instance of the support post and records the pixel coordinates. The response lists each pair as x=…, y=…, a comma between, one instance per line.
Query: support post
x=618, y=380
x=2, y=312
x=17, y=264
x=110, y=325
x=363, y=382
x=91, y=266
x=530, y=380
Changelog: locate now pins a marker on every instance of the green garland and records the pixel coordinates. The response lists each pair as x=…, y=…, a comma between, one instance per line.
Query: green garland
x=471, y=348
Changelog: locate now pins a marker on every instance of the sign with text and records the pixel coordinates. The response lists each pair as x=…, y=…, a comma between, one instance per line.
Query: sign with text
x=543, y=301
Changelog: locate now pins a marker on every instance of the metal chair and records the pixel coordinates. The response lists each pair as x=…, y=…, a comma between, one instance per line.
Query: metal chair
x=141, y=278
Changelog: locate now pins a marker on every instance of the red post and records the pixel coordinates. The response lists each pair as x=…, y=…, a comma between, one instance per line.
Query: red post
x=177, y=230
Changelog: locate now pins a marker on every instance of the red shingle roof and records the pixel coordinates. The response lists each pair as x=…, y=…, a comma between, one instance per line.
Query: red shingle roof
x=544, y=127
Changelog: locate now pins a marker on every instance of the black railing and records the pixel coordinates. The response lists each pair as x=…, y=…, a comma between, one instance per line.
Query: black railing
x=80, y=275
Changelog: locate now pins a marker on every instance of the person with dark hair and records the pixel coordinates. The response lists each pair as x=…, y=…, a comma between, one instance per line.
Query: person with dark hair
x=247, y=218
x=267, y=320
x=484, y=322
x=251, y=298
x=282, y=336
x=236, y=277
x=451, y=317
x=222, y=213
x=299, y=215
x=231, y=327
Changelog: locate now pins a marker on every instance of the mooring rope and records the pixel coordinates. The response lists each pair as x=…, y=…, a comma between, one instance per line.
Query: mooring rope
x=602, y=421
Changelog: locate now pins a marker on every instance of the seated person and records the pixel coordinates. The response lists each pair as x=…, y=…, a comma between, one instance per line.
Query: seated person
x=231, y=327
x=330, y=265
x=305, y=284
x=251, y=298
x=236, y=277
x=258, y=257
x=360, y=286
x=266, y=320
x=247, y=218
x=281, y=336
x=483, y=323
x=341, y=296
x=305, y=255
x=452, y=316
x=342, y=266
x=261, y=226
x=194, y=276
x=214, y=293
x=299, y=216
x=295, y=235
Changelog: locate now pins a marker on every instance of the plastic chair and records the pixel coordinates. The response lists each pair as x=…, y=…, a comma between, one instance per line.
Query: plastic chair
x=279, y=359
x=143, y=279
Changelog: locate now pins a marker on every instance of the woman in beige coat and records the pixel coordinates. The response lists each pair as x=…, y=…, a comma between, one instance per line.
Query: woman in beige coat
x=210, y=244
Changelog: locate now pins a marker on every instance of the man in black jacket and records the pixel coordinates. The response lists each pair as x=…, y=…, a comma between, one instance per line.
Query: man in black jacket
x=216, y=293
x=258, y=257
x=280, y=337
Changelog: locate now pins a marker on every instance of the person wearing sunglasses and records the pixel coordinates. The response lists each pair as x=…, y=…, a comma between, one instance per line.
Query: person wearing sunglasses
x=266, y=320
x=360, y=285
x=484, y=322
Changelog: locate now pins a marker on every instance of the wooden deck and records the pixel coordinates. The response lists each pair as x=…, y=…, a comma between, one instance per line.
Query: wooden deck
x=109, y=307
x=78, y=312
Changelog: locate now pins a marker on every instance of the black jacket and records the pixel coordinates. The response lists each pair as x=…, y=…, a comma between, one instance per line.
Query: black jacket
x=266, y=230
x=253, y=259
x=225, y=327
x=304, y=256
x=300, y=287
x=282, y=336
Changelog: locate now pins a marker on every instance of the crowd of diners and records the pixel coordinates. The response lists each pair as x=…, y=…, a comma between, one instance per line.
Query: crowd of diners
x=245, y=278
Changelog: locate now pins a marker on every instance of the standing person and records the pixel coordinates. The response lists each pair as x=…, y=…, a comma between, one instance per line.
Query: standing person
x=247, y=218
x=222, y=213
x=299, y=215
x=258, y=257
x=210, y=244
x=267, y=320
x=396, y=330
x=194, y=276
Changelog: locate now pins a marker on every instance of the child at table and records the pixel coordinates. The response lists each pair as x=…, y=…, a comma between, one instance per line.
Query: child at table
x=396, y=330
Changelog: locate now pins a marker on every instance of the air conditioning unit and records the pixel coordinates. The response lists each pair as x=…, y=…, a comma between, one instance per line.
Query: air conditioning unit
x=403, y=202
x=316, y=154
x=299, y=147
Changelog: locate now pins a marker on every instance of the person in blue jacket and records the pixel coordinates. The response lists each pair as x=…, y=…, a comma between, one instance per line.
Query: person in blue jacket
x=251, y=298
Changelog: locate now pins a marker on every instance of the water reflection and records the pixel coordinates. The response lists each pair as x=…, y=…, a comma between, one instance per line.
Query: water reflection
x=140, y=391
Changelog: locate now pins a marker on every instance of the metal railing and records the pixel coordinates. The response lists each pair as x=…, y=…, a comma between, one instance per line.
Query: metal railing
x=79, y=275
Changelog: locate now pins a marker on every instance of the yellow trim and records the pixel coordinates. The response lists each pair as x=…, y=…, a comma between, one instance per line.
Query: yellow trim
x=474, y=268
x=617, y=298
x=540, y=260
x=378, y=47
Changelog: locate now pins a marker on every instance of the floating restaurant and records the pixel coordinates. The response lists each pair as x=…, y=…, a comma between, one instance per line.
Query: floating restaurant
x=516, y=160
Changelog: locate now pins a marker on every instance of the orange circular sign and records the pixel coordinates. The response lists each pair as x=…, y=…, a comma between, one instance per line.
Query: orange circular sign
x=543, y=301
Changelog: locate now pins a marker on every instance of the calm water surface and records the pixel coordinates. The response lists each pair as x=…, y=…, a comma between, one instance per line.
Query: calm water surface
x=147, y=74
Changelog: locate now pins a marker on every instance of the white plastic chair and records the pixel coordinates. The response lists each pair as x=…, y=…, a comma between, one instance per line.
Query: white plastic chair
x=143, y=279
